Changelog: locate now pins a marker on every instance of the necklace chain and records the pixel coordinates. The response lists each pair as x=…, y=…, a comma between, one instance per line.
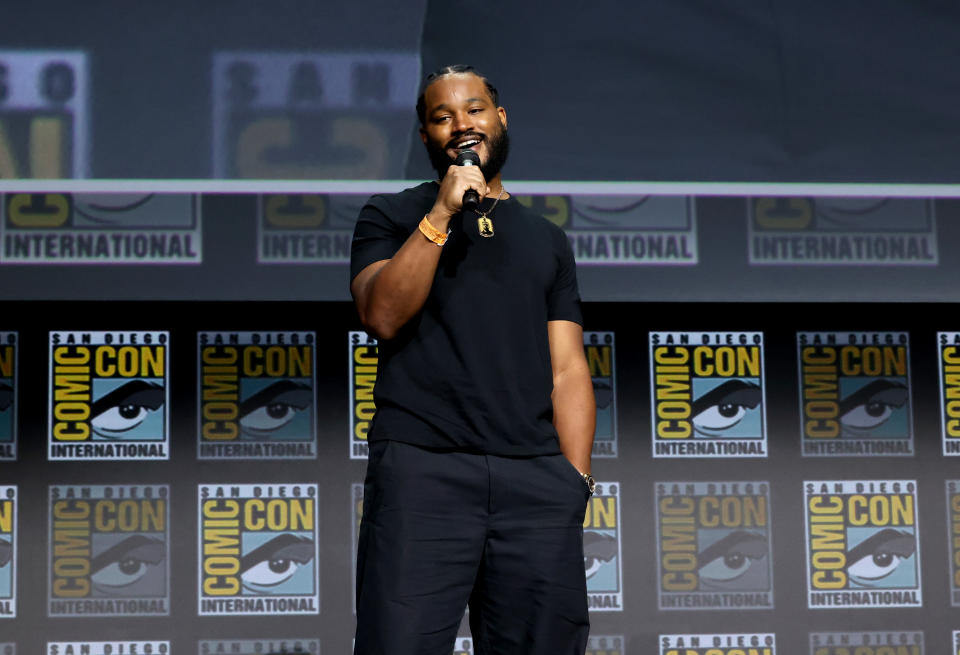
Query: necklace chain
x=487, y=213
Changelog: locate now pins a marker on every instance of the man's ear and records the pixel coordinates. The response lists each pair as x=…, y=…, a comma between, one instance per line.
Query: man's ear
x=423, y=136
x=503, y=115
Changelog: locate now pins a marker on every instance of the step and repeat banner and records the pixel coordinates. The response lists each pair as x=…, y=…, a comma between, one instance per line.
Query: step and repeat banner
x=186, y=477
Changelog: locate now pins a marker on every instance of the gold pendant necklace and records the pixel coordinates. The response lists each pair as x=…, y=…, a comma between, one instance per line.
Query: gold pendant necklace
x=484, y=224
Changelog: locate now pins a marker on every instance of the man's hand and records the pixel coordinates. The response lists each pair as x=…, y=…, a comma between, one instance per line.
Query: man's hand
x=456, y=182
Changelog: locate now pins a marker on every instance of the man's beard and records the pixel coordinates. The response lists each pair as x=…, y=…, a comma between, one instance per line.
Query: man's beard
x=498, y=145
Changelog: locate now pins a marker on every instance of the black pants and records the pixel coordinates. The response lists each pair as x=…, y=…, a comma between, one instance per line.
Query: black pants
x=444, y=529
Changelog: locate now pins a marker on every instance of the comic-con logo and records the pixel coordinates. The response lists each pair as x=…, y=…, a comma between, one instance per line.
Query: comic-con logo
x=8, y=552
x=605, y=645
x=714, y=545
x=258, y=647
x=364, y=354
x=463, y=646
x=855, y=393
x=109, y=550
x=599, y=350
x=307, y=228
x=623, y=229
x=256, y=395
x=602, y=549
x=953, y=538
x=948, y=348
x=109, y=396
x=102, y=228
x=834, y=230
x=8, y=396
x=862, y=544
x=108, y=648
x=708, y=392
x=719, y=644
x=893, y=642
x=258, y=549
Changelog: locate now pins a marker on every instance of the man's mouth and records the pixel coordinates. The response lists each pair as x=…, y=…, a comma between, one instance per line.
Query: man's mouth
x=466, y=141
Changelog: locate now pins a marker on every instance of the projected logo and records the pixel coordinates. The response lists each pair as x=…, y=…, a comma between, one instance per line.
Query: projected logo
x=707, y=392
x=893, y=642
x=602, y=549
x=862, y=544
x=714, y=545
x=8, y=552
x=108, y=648
x=953, y=538
x=605, y=645
x=105, y=228
x=44, y=125
x=299, y=115
x=364, y=355
x=823, y=231
x=306, y=228
x=719, y=644
x=256, y=392
x=599, y=349
x=8, y=396
x=855, y=393
x=109, y=551
x=258, y=549
x=280, y=646
x=109, y=395
x=948, y=348
x=623, y=229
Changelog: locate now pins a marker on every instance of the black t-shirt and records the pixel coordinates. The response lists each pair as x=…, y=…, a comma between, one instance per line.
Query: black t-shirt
x=471, y=370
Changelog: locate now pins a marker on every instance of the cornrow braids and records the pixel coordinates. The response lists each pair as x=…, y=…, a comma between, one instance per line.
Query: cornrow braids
x=454, y=69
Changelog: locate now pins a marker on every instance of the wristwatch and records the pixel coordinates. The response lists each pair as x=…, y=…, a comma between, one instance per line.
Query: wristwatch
x=591, y=483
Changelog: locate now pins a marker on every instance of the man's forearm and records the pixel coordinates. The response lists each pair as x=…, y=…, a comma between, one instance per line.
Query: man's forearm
x=575, y=415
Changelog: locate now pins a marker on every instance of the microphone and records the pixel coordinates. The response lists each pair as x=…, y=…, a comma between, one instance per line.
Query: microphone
x=467, y=157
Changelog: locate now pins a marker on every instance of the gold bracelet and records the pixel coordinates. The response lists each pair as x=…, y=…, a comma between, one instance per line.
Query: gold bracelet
x=432, y=233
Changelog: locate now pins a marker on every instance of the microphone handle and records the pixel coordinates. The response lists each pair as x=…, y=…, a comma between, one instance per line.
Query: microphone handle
x=471, y=199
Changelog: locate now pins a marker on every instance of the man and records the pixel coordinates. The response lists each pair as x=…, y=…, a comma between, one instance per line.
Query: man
x=479, y=465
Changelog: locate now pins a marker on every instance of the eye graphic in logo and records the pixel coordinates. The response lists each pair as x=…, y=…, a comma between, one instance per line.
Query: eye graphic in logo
x=735, y=561
x=109, y=208
x=866, y=411
x=124, y=412
x=608, y=211
x=6, y=396
x=118, y=569
x=603, y=392
x=270, y=410
x=598, y=549
x=727, y=409
x=6, y=420
x=880, y=560
x=6, y=552
x=6, y=572
x=281, y=565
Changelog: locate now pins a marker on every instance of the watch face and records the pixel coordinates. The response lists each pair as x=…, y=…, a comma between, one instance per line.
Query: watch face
x=591, y=483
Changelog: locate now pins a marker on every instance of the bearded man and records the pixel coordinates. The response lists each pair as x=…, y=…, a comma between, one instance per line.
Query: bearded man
x=479, y=454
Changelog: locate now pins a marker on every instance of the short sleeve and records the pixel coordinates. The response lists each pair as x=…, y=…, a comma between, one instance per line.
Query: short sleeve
x=375, y=237
x=563, y=301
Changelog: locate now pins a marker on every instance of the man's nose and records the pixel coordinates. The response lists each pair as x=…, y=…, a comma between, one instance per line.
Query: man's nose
x=462, y=121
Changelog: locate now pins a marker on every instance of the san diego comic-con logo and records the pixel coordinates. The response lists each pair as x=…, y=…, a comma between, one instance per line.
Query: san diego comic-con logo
x=602, y=549
x=953, y=538
x=364, y=356
x=599, y=350
x=108, y=648
x=893, y=642
x=109, y=550
x=855, y=393
x=258, y=549
x=8, y=396
x=108, y=228
x=256, y=393
x=833, y=230
x=273, y=646
x=714, y=547
x=306, y=228
x=109, y=396
x=463, y=646
x=44, y=126
x=708, y=391
x=303, y=115
x=605, y=645
x=862, y=543
x=948, y=349
x=623, y=229
x=719, y=644
x=8, y=551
